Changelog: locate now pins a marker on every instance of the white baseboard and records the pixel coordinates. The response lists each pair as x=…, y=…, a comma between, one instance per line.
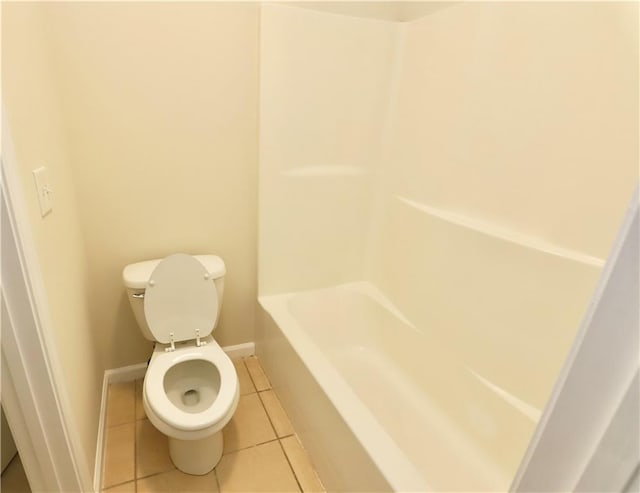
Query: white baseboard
x=133, y=372
x=126, y=373
x=97, y=470
x=240, y=350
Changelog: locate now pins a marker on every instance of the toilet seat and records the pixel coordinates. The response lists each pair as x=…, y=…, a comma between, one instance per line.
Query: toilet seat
x=215, y=416
x=181, y=301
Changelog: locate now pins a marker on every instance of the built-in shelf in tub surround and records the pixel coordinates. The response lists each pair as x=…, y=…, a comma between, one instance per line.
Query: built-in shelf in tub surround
x=500, y=232
x=325, y=170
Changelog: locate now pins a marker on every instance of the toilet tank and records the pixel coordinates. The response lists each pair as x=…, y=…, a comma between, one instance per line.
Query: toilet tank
x=136, y=276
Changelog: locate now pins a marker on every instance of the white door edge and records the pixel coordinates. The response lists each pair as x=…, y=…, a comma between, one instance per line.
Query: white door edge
x=595, y=377
x=35, y=400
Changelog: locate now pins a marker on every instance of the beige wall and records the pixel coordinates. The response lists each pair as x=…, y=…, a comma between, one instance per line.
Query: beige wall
x=324, y=90
x=161, y=106
x=34, y=116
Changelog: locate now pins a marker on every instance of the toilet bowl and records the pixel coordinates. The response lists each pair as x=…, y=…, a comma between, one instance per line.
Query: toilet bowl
x=191, y=387
x=190, y=394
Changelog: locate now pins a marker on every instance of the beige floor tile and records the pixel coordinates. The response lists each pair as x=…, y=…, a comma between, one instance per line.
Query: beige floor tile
x=279, y=418
x=178, y=482
x=121, y=403
x=129, y=487
x=257, y=469
x=301, y=464
x=140, y=414
x=246, y=385
x=258, y=376
x=152, y=450
x=119, y=455
x=249, y=425
x=14, y=480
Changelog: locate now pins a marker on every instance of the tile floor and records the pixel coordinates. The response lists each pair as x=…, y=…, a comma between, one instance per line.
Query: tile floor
x=261, y=450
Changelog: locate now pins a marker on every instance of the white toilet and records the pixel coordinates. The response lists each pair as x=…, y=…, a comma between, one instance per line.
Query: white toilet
x=191, y=387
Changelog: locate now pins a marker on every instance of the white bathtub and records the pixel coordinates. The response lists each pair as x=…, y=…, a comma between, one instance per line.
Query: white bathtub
x=381, y=406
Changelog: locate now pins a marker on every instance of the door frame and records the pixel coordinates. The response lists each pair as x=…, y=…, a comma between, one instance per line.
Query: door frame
x=33, y=393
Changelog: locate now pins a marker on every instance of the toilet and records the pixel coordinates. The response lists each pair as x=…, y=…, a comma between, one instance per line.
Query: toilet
x=191, y=388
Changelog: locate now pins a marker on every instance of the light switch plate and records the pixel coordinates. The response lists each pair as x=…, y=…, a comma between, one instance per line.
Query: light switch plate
x=41, y=176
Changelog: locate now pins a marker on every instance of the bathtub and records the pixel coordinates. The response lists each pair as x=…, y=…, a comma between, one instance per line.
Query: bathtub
x=381, y=405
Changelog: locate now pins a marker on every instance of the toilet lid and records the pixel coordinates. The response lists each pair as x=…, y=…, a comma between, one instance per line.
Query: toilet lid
x=181, y=298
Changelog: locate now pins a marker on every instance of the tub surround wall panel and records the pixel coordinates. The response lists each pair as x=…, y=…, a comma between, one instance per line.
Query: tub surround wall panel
x=505, y=115
x=398, y=11
x=161, y=105
x=35, y=119
x=390, y=11
x=466, y=292
x=324, y=87
x=509, y=312
x=529, y=104
x=525, y=104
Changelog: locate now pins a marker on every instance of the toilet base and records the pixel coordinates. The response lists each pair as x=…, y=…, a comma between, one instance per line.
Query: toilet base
x=196, y=457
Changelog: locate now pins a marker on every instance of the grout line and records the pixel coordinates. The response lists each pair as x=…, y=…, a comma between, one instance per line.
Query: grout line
x=107, y=424
x=253, y=390
x=263, y=374
x=173, y=468
x=295, y=476
x=215, y=475
x=249, y=373
x=284, y=412
x=135, y=400
x=266, y=411
x=307, y=459
x=279, y=403
x=115, y=485
x=250, y=446
x=285, y=436
x=246, y=368
x=158, y=473
x=104, y=454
